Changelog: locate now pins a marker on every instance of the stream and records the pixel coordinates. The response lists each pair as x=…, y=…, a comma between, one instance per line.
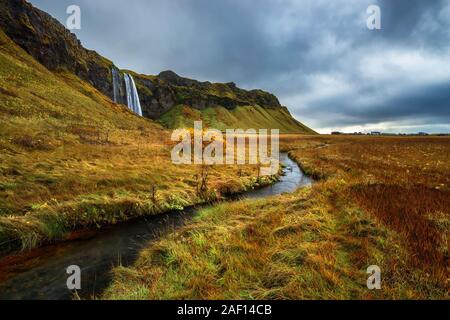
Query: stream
x=41, y=274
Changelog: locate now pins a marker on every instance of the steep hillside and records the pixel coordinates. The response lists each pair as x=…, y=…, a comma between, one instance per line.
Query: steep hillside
x=178, y=101
x=71, y=159
x=50, y=43
x=241, y=117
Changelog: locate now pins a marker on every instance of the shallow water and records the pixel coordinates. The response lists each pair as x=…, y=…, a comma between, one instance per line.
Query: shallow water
x=293, y=179
x=43, y=274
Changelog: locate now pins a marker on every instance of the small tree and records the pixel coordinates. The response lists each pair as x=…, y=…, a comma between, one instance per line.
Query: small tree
x=258, y=168
x=204, y=175
x=201, y=180
x=154, y=193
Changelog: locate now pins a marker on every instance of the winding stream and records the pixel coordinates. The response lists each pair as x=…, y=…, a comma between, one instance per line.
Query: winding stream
x=42, y=273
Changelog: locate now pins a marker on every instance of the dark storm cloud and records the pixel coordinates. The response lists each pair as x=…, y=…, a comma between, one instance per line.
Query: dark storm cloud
x=316, y=55
x=416, y=22
x=416, y=105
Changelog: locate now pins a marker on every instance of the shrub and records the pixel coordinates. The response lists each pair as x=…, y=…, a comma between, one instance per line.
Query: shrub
x=39, y=142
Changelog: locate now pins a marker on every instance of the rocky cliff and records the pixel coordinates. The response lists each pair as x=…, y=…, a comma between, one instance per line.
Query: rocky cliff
x=50, y=43
x=161, y=93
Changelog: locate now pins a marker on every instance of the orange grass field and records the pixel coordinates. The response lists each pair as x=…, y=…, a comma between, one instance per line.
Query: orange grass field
x=404, y=183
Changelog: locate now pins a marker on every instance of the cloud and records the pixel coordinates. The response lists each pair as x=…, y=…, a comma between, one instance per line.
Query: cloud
x=316, y=55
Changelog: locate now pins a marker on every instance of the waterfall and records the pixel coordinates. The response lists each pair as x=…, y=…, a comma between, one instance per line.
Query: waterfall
x=132, y=95
x=116, y=85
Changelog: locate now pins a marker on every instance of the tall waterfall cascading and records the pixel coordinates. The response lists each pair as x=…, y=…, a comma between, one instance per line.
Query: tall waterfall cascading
x=132, y=95
x=116, y=85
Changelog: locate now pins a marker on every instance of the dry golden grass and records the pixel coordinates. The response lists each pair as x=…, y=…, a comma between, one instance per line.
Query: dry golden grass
x=87, y=180
x=71, y=159
x=379, y=201
x=404, y=182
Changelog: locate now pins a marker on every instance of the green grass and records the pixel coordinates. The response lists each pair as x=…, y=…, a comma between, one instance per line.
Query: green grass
x=246, y=117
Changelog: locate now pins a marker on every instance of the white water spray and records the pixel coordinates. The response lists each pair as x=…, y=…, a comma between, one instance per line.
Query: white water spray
x=132, y=95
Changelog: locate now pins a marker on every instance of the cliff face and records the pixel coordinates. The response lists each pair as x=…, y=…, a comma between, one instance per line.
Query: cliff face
x=50, y=43
x=224, y=94
x=161, y=93
x=55, y=47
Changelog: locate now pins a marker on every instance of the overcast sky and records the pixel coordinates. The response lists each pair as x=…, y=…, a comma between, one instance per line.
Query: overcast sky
x=317, y=56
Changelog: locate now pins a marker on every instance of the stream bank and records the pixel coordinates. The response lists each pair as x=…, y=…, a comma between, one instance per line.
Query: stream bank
x=42, y=274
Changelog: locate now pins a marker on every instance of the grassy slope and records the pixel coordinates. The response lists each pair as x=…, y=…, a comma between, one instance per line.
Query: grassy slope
x=240, y=118
x=380, y=201
x=70, y=158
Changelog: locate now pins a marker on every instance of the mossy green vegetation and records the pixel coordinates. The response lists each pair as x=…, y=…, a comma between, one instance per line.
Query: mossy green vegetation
x=244, y=117
x=220, y=105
